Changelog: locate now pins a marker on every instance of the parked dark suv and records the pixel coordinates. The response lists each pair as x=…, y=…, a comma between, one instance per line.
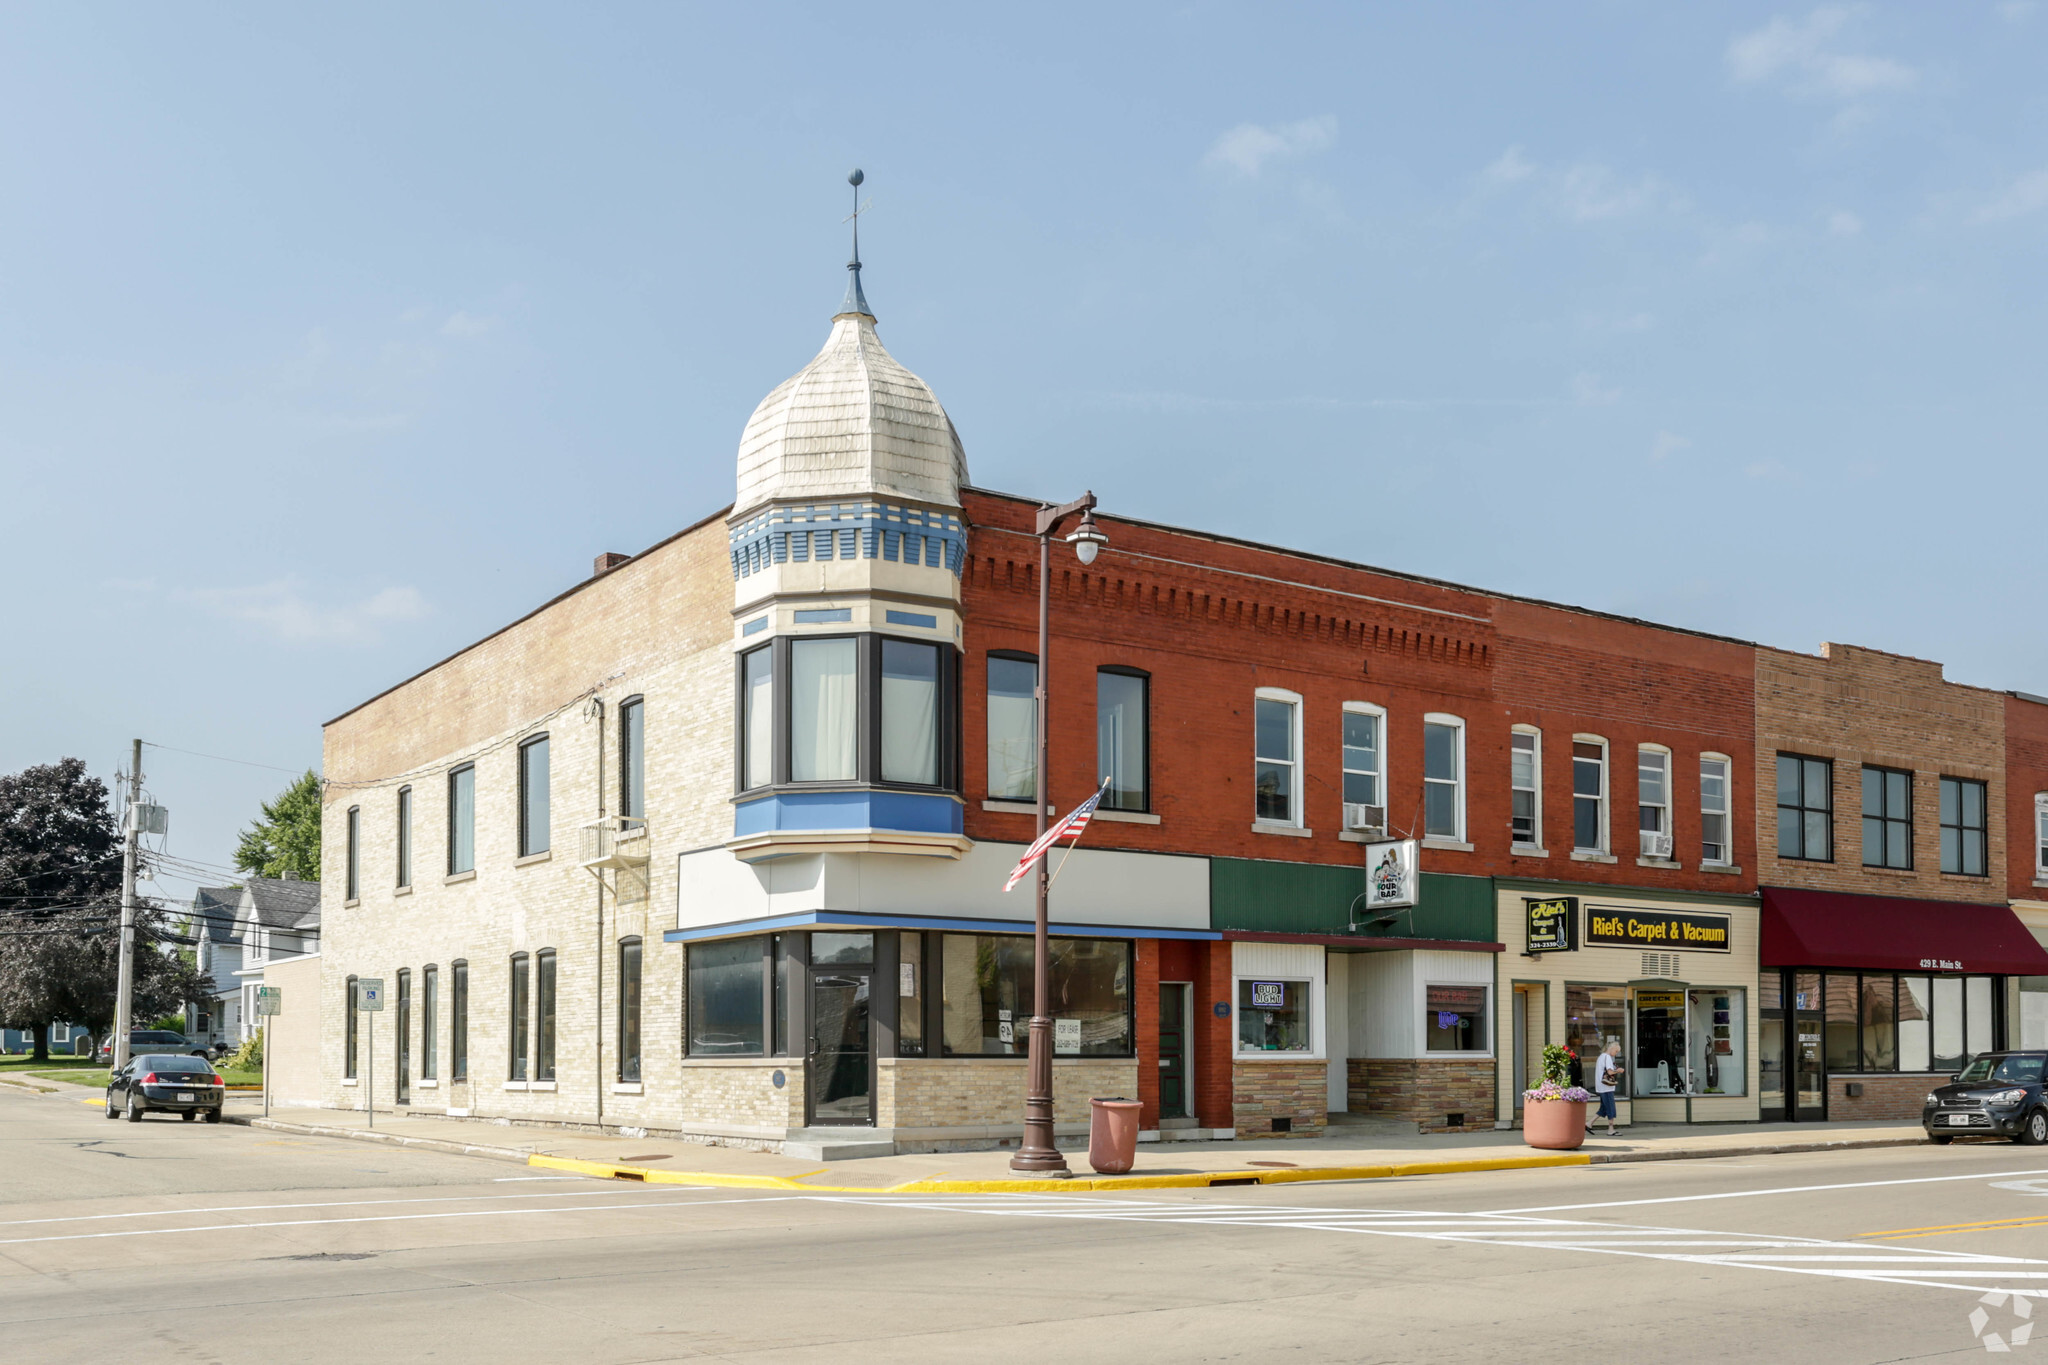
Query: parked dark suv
x=1997, y=1095
x=160, y=1081
x=153, y=1040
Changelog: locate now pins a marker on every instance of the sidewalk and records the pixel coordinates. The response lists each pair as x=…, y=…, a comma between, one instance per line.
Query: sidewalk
x=1355, y=1150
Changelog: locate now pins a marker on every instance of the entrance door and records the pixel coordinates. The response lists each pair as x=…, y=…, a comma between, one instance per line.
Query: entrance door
x=403, y=1021
x=841, y=1088
x=1528, y=1028
x=1809, y=1055
x=1173, y=1050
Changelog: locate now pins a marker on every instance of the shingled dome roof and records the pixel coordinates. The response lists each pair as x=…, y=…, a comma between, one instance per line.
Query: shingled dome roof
x=852, y=422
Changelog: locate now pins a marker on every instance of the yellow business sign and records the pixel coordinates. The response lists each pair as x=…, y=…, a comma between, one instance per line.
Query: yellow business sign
x=1674, y=929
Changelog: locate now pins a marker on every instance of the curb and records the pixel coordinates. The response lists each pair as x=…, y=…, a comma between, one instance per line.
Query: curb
x=605, y=1170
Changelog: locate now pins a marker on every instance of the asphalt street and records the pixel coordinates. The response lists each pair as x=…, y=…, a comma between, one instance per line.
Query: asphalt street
x=189, y=1242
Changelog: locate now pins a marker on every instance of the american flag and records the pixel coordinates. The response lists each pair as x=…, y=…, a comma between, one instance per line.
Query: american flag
x=1075, y=821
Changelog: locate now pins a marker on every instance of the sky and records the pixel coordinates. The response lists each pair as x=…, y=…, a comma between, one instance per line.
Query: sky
x=334, y=338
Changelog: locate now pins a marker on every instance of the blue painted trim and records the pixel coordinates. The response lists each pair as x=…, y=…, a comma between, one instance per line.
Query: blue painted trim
x=860, y=529
x=863, y=919
x=856, y=808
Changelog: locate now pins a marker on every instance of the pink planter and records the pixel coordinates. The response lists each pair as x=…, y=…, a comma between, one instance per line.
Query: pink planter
x=1559, y=1125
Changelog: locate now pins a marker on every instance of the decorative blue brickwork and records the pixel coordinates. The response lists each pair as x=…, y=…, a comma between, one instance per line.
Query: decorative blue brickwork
x=849, y=530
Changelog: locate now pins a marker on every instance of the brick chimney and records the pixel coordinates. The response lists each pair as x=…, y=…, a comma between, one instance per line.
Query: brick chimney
x=606, y=562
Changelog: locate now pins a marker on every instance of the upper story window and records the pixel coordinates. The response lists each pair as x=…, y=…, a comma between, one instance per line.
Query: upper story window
x=462, y=820
x=1962, y=826
x=1121, y=750
x=1012, y=727
x=633, y=758
x=1589, y=795
x=355, y=852
x=1365, y=764
x=1806, y=808
x=1276, y=725
x=2041, y=836
x=1887, y=817
x=1525, y=786
x=1653, y=801
x=404, y=836
x=533, y=796
x=1443, y=777
x=910, y=713
x=1714, y=801
x=846, y=708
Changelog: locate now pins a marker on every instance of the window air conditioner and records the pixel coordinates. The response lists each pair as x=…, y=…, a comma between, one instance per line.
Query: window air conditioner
x=1656, y=845
x=1360, y=818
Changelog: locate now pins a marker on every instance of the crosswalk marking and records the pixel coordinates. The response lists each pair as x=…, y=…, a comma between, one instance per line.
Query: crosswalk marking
x=1864, y=1260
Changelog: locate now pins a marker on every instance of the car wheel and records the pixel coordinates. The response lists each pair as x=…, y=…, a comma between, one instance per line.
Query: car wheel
x=2034, y=1131
x=112, y=1112
x=134, y=1111
x=188, y=1115
x=1941, y=1139
x=213, y=1116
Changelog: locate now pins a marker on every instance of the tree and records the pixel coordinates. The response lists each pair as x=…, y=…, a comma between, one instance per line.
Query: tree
x=286, y=841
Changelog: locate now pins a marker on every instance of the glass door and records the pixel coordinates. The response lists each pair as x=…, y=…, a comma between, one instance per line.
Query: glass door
x=1173, y=1051
x=1809, y=1068
x=841, y=1088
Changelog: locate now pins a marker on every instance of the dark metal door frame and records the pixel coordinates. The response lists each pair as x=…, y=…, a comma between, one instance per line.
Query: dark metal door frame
x=814, y=1056
x=1183, y=1032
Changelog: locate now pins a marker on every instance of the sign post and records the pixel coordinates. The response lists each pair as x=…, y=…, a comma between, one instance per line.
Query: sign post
x=269, y=1004
x=370, y=1000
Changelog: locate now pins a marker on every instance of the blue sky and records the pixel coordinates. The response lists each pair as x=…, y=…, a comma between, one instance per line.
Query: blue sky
x=332, y=339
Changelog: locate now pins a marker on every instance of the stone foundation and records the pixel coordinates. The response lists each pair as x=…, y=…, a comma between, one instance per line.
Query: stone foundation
x=1884, y=1097
x=1297, y=1093
x=1426, y=1090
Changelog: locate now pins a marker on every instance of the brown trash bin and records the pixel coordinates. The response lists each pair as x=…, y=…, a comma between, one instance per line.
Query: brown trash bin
x=1113, y=1134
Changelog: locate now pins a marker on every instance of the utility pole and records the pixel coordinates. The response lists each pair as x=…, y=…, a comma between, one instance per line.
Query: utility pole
x=131, y=838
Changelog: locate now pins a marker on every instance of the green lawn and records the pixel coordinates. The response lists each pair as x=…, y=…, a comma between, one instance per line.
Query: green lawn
x=84, y=1072
x=21, y=1061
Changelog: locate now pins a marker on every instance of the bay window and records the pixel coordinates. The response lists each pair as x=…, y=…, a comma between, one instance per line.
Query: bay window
x=910, y=712
x=868, y=709
x=823, y=707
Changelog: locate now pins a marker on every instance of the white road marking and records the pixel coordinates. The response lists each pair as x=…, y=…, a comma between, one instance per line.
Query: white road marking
x=1752, y=1194
x=380, y=1218
x=318, y=1204
x=1876, y=1263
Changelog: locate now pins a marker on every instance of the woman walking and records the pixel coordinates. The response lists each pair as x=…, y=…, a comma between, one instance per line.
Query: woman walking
x=1606, y=1078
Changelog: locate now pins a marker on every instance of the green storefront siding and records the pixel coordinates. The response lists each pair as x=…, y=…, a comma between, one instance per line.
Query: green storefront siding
x=1256, y=896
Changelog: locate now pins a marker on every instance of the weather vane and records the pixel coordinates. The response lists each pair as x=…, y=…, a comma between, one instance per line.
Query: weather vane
x=856, y=300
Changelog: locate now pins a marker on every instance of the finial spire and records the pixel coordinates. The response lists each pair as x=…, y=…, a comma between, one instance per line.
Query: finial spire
x=855, y=301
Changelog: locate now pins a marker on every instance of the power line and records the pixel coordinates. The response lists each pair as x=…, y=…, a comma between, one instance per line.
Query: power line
x=223, y=758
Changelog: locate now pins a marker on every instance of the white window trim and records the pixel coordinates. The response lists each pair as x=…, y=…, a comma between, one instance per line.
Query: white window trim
x=1669, y=806
x=1536, y=775
x=1456, y=723
x=1295, y=817
x=1366, y=708
x=1606, y=795
x=1422, y=1051
x=1317, y=1049
x=1727, y=809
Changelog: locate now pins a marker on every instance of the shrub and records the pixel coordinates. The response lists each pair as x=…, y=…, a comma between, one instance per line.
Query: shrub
x=249, y=1056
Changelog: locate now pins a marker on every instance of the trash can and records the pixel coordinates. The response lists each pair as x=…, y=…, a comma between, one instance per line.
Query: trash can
x=1112, y=1134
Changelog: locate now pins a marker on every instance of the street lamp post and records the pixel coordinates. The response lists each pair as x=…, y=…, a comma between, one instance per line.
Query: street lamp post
x=1038, y=1153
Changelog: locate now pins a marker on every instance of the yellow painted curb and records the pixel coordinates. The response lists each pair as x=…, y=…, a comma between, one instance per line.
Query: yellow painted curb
x=1078, y=1185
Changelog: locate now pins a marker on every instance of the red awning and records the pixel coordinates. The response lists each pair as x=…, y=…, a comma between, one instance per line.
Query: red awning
x=1895, y=934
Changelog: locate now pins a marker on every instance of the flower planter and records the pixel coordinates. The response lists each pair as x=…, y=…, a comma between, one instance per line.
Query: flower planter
x=1558, y=1125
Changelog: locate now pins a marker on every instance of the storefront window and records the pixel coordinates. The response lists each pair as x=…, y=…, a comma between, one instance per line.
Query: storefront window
x=1840, y=993
x=2034, y=1003
x=1770, y=1027
x=1948, y=1023
x=1593, y=1015
x=1660, y=1043
x=1273, y=1016
x=1454, y=1019
x=1978, y=1032
x=1880, y=1029
x=1716, y=1041
x=910, y=994
x=1916, y=1036
x=726, y=1002
x=986, y=995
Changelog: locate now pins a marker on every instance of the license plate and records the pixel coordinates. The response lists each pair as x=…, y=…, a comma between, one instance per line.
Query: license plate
x=186, y=1097
x=1957, y=1120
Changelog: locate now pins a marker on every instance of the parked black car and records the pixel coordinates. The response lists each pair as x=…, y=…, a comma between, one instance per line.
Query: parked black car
x=1997, y=1095
x=153, y=1040
x=165, y=1082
